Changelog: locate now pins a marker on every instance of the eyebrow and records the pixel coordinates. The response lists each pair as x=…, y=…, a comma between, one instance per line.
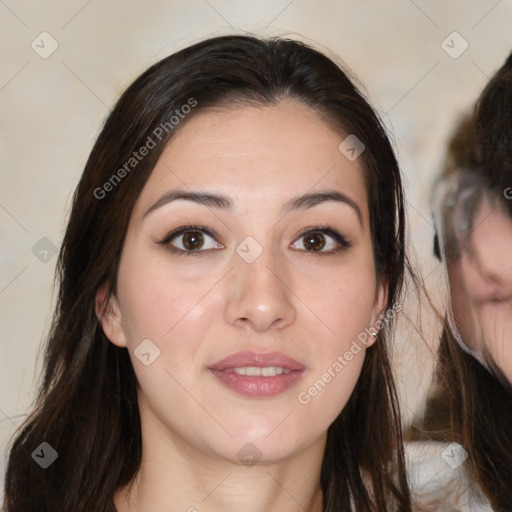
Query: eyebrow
x=223, y=202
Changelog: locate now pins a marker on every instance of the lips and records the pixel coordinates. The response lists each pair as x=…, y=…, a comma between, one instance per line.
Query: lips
x=254, y=359
x=240, y=373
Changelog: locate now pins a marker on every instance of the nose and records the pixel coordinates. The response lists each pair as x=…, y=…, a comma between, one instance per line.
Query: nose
x=260, y=294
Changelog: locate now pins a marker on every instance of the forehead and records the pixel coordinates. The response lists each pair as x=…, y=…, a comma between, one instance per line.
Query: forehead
x=257, y=155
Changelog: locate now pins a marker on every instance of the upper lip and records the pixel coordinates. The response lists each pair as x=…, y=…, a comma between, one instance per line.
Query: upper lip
x=250, y=358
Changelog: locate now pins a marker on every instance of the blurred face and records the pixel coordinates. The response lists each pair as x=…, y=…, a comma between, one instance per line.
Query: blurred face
x=246, y=273
x=481, y=284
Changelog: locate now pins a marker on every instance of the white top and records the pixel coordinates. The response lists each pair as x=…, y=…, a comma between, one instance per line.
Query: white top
x=438, y=478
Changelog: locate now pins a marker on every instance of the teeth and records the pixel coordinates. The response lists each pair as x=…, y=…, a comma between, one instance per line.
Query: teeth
x=267, y=371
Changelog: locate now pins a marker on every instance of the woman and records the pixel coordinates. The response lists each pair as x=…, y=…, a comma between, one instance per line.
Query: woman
x=234, y=242
x=471, y=404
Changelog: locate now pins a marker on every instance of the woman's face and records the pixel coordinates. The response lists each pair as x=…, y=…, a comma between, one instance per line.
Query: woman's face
x=481, y=287
x=280, y=280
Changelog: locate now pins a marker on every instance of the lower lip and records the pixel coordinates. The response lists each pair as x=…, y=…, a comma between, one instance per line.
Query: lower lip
x=258, y=386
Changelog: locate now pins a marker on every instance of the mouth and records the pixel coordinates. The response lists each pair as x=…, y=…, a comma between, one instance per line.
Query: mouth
x=257, y=375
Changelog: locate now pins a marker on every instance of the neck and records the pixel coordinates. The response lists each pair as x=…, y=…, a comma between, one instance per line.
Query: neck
x=176, y=476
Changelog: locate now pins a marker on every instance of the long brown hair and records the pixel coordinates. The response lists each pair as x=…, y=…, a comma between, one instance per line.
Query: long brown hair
x=87, y=406
x=469, y=404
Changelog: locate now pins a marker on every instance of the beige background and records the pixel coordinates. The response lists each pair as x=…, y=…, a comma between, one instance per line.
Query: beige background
x=52, y=109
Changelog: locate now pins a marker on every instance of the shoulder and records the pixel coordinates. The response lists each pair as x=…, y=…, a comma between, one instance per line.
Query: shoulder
x=437, y=476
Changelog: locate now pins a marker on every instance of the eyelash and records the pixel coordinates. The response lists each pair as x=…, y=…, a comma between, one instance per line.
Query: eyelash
x=343, y=242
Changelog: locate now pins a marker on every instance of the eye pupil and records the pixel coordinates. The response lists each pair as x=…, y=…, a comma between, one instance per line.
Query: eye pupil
x=193, y=240
x=314, y=242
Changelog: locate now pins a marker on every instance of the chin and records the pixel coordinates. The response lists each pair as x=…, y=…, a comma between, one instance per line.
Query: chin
x=251, y=449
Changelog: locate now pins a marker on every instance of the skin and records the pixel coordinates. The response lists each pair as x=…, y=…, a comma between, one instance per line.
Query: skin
x=201, y=308
x=481, y=283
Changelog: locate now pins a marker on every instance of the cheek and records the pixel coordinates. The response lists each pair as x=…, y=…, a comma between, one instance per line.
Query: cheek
x=339, y=352
x=176, y=313
x=346, y=303
x=162, y=303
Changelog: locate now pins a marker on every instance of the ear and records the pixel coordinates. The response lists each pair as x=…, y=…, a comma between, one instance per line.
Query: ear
x=381, y=299
x=109, y=315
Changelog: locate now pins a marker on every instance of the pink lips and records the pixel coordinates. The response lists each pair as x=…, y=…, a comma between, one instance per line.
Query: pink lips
x=257, y=386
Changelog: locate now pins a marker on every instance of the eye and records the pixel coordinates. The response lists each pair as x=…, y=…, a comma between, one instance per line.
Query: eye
x=187, y=240
x=321, y=240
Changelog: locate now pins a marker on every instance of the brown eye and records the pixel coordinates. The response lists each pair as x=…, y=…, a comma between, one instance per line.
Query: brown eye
x=314, y=242
x=188, y=240
x=193, y=240
x=321, y=240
